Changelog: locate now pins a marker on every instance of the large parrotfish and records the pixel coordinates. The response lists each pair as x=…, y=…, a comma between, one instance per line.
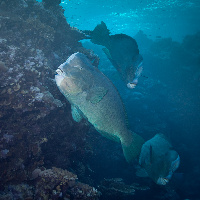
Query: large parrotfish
x=122, y=50
x=93, y=96
x=158, y=160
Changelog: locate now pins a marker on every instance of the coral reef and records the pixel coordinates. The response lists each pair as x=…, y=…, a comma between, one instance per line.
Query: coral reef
x=52, y=184
x=3, y=67
x=115, y=188
x=20, y=192
x=32, y=111
x=56, y=183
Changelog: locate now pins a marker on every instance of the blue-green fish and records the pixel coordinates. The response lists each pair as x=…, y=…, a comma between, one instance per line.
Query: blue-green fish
x=158, y=160
x=93, y=96
x=122, y=50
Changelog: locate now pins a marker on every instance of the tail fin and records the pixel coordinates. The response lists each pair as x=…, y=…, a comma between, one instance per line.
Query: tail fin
x=100, y=35
x=131, y=146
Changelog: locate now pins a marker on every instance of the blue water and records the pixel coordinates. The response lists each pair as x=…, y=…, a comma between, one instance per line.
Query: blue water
x=166, y=18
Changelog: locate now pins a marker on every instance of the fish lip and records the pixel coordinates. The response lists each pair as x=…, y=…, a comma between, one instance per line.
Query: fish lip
x=59, y=71
x=60, y=75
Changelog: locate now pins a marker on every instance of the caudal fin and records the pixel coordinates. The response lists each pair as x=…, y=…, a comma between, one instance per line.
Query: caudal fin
x=100, y=35
x=131, y=146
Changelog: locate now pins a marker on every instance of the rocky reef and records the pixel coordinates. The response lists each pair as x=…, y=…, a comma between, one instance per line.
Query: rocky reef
x=34, y=40
x=56, y=183
x=52, y=183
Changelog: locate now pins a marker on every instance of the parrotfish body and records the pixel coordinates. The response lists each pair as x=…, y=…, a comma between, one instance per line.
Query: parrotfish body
x=122, y=50
x=93, y=96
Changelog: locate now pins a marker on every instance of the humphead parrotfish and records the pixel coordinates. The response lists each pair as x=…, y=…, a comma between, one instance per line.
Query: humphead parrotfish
x=93, y=96
x=158, y=160
x=122, y=50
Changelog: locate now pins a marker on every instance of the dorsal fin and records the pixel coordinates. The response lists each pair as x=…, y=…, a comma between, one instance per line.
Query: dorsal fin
x=100, y=35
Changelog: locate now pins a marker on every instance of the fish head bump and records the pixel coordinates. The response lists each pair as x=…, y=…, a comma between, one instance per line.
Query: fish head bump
x=75, y=75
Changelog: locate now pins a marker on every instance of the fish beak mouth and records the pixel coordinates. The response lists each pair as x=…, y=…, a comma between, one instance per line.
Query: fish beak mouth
x=162, y=181
x=59, y=71
x=60, y=75
x=131, y=85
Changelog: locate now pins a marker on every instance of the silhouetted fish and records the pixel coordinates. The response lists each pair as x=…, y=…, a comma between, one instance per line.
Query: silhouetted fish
x=122, y=50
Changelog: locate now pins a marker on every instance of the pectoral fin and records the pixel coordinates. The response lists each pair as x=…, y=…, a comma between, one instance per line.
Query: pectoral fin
x=96, y=94
x=76, y=113
x=107, y=52
x=114, y=63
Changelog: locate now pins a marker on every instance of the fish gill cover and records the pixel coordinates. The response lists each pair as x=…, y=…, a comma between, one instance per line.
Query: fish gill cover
x=43, y=151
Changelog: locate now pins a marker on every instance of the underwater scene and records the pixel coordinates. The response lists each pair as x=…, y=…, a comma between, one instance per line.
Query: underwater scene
x=99, y=100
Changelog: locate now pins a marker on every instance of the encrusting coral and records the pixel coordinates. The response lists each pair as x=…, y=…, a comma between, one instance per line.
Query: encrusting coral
x=54, y=183
x=33, y=42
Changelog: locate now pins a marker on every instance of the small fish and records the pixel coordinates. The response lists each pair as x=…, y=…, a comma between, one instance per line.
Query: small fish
x=122, y=50
x=93, y=96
